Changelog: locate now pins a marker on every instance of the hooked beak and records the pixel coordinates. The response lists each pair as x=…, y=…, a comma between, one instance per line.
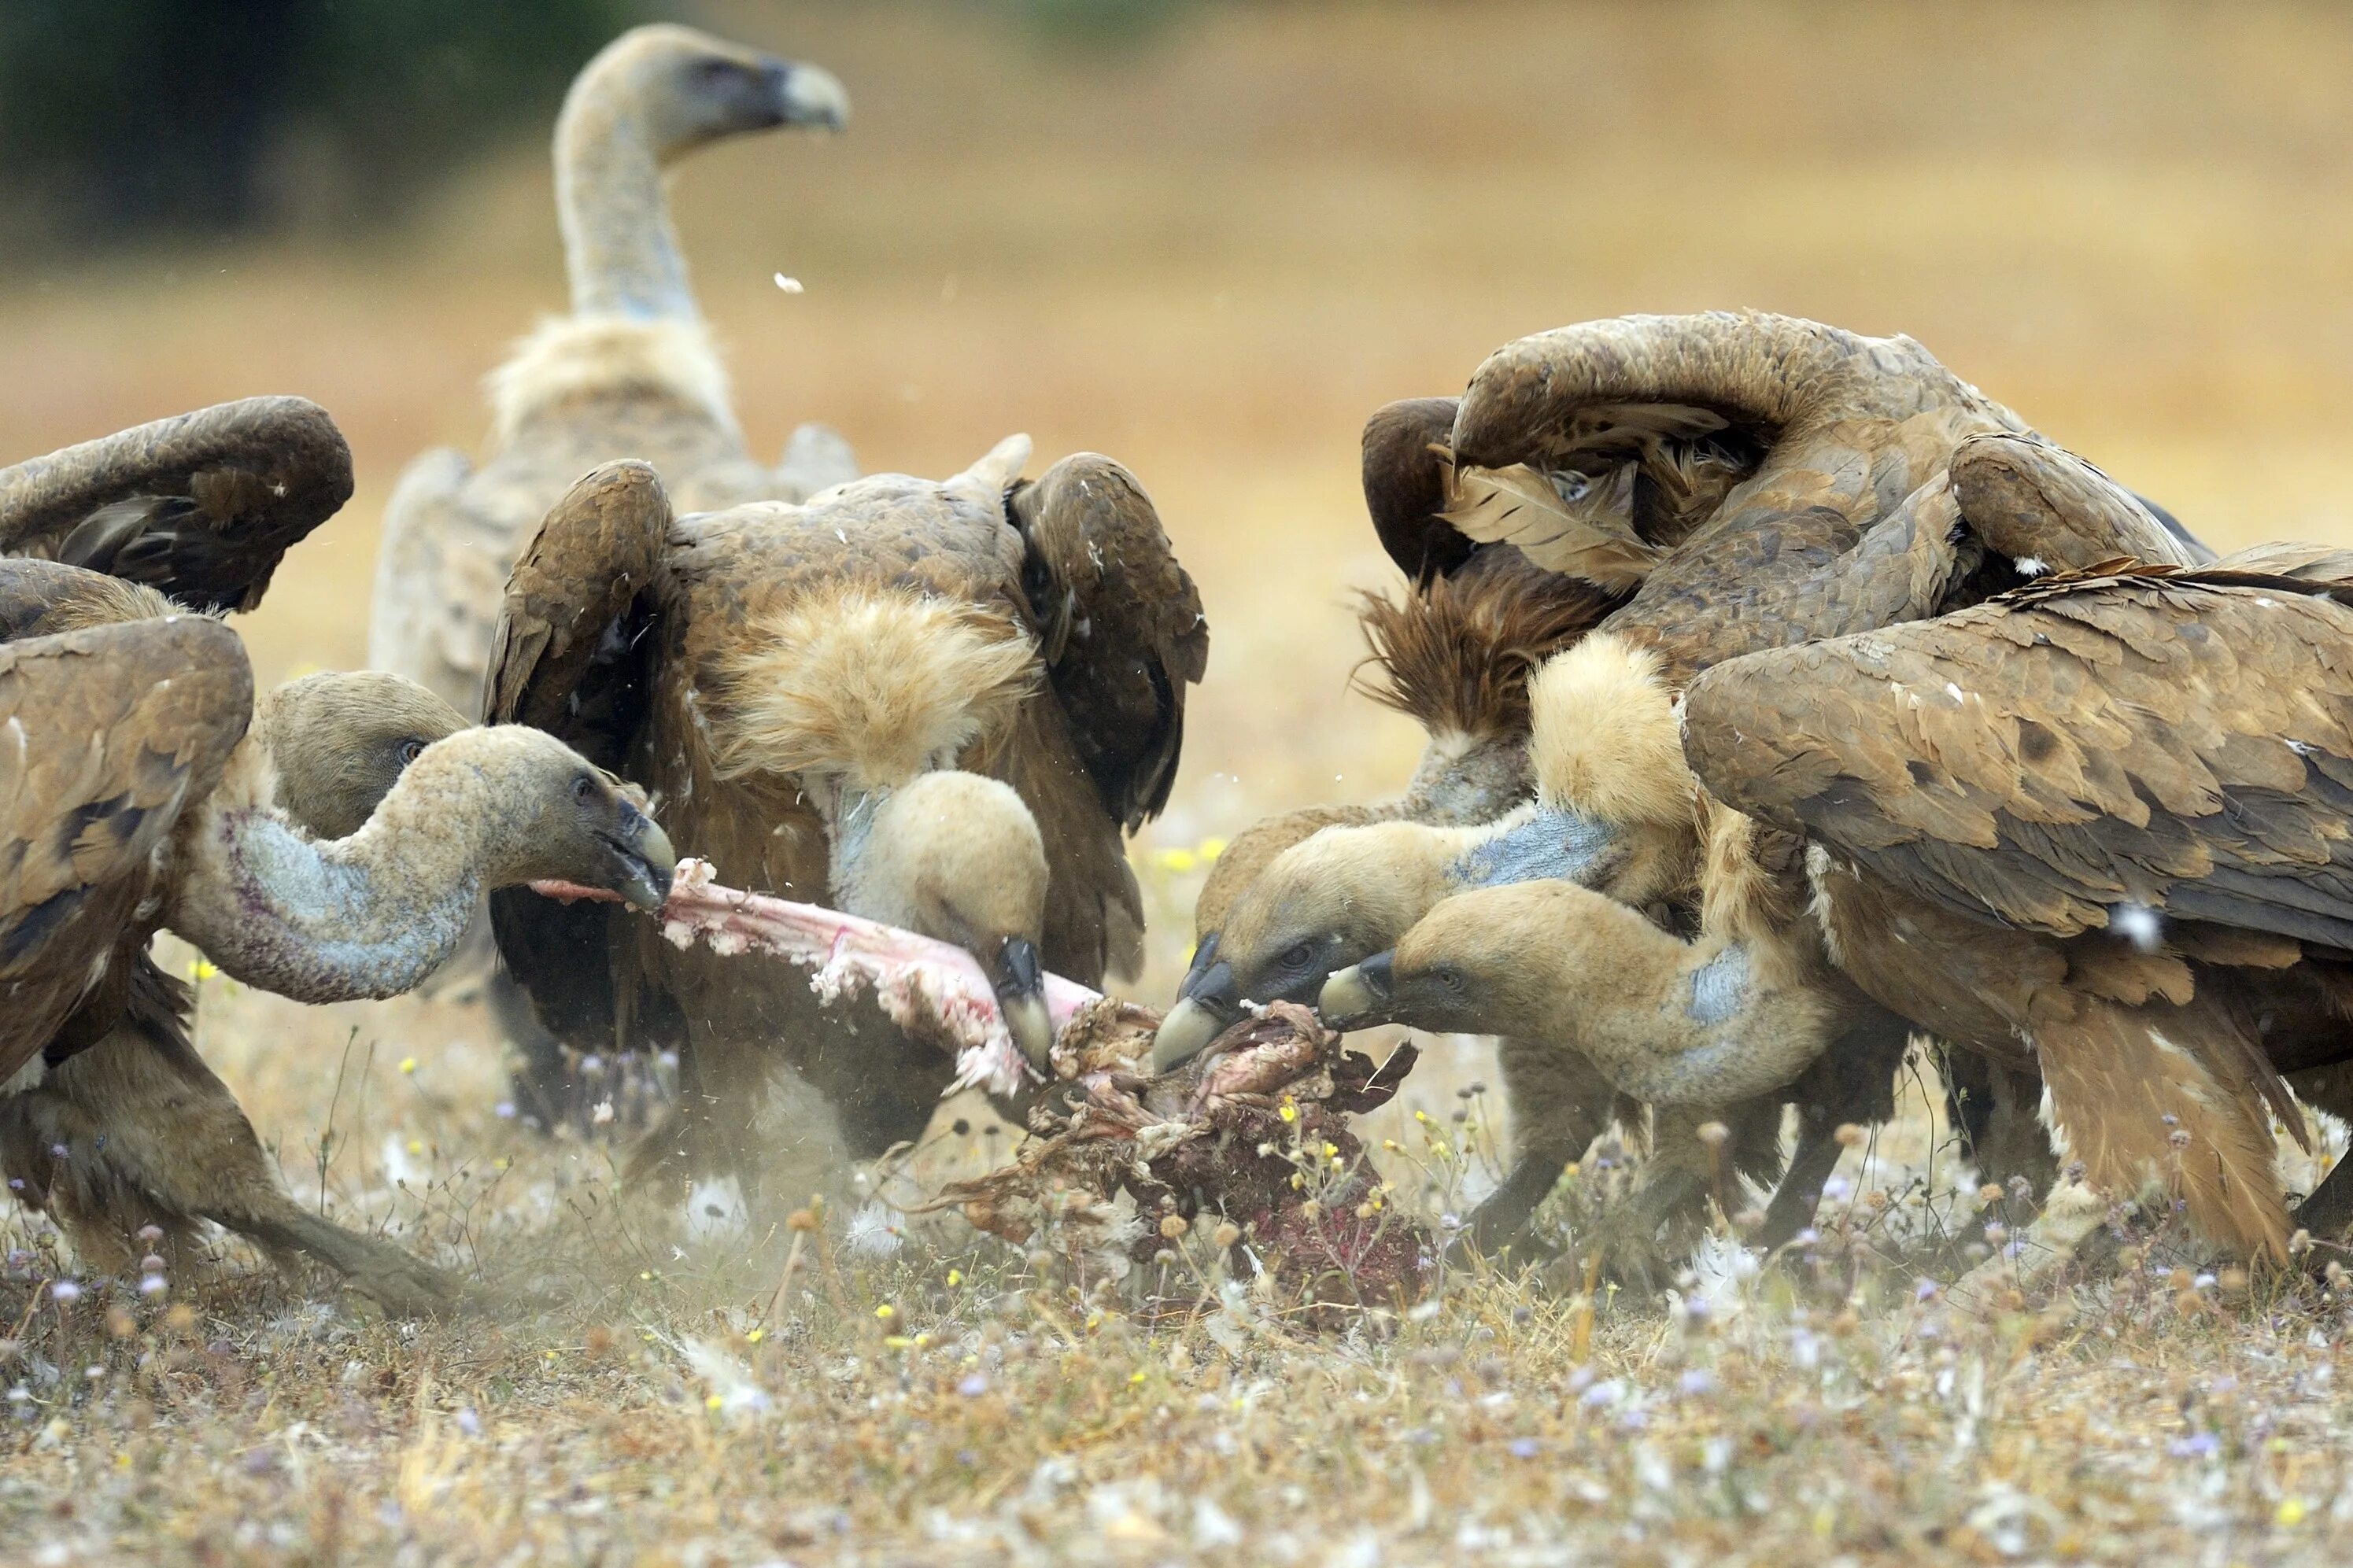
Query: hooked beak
x=647, y=861
x=1207, y=1006
x=812, y=96
x=1015, y=975
x=1358, y=996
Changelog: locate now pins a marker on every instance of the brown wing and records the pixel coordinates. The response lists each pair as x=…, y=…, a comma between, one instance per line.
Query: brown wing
x=570, y=656
x=200, y=505
x=1120, y=627
x=2050, y=511
x=1407, y=468
x=2181, y=740
x=1779, y=444
x=106, y=735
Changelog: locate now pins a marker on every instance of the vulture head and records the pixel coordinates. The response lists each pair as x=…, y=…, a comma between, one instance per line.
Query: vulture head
x=340, y=741
x=867, y=699
x=1615, y=810
x=1328, y=900
x=1673, y=1022
x=684, y=88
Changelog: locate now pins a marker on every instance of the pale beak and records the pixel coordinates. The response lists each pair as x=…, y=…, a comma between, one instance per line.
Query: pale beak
x=1354, y=997
x=814, y=96
x=1207, y=1004
x=1185, y=1032
x=648, y=861
x=1015, y=975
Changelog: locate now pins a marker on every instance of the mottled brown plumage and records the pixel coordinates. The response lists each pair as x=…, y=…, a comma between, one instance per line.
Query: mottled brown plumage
x=783, y=677
x=630, y=372
x=200, y=506
x=1846, y=519
x=2114, y=806
x=137, y=744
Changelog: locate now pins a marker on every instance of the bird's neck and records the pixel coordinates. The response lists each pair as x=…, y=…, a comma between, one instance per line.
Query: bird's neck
x=1460, y=780
x=370, y=915
x=618, y=247
x=851, y=816
x=1535, y=844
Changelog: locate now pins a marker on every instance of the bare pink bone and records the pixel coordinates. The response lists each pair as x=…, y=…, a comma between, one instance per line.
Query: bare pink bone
x=911, y=977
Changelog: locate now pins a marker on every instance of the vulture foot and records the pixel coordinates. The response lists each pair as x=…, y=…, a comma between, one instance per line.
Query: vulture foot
x=2071, y=1235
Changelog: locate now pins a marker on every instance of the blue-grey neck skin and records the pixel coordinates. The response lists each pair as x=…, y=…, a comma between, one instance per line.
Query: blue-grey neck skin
x=850, y=831
x=320, y=928
x=372, y=914
x=1564, y=845
x=1719, y=988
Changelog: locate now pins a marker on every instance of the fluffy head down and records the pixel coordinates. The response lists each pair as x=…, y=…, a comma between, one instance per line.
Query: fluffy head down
x=572, y=357
x=871, y=686
x=954, y=856
x=1605, y=740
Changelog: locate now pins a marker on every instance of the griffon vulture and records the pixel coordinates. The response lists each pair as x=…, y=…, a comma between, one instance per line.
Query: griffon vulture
x=147, y=789
x=630, y=372
x=937, y=704
x=2102, y=822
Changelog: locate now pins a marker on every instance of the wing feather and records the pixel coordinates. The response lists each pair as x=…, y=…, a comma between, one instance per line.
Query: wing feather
x=200, y=506
x=2176, y=739
x=106, y=735
x=1120, y=625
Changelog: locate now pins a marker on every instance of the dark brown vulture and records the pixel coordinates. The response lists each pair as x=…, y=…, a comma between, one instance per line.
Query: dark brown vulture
x=2103, y=823
x=937, y=704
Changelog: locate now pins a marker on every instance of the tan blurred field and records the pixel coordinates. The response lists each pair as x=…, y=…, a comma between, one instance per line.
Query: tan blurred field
x=1211, y=256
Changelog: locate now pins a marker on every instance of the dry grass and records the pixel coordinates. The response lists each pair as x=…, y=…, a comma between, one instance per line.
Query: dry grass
x=1211, y=259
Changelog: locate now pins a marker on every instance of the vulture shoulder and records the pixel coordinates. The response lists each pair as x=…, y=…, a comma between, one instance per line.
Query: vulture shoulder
x=106, y=735
x=1120, y=626
x=2179, y=740
x=201, y=506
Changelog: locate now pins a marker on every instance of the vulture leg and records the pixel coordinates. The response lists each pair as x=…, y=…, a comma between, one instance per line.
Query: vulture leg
x=1852, y=1083
x=152, y=1137
x=1660, y=1221
x=1560, y=1104
x=2327, y=1214
x=1998, y=1110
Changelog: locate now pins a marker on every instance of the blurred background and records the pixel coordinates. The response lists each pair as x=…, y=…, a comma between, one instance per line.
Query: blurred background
x=1206, y=238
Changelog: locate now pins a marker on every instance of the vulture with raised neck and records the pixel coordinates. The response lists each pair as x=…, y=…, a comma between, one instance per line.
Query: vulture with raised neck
x=327, y=842
x=630, y=372
x=939, y=704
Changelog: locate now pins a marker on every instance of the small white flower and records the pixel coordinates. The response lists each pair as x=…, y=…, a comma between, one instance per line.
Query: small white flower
x=602, y=1113
x=872, y=1233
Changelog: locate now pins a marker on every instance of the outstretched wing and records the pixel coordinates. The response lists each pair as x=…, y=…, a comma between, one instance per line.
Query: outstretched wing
x=106, y=735
x=570, y=656
x=2181, y=741
x=1120, y=626
x=200, y=506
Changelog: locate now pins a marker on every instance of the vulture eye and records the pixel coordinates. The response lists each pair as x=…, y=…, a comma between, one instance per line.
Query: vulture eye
x=1295, y=956
x=1451, y=978
x=583, y=788
x=409, y=749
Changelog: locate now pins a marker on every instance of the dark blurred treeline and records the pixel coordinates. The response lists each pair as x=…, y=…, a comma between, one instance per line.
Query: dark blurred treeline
x=125, y=120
